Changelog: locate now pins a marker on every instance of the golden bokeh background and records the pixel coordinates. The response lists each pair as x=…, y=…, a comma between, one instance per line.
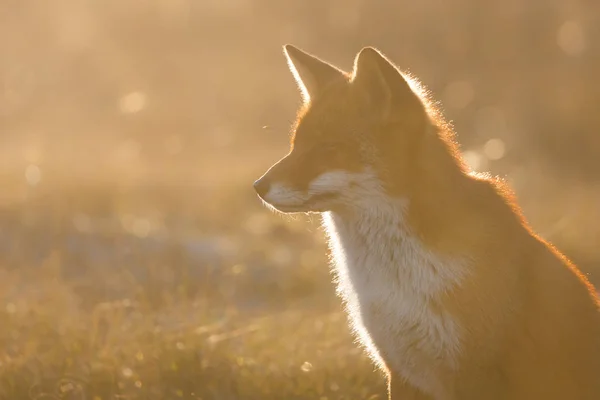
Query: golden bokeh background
x=135, y=259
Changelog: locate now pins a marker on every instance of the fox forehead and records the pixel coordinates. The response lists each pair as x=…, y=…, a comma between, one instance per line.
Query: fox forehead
x=333, y=117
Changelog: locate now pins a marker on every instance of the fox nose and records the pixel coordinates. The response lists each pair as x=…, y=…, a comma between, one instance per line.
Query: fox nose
x=262, y=186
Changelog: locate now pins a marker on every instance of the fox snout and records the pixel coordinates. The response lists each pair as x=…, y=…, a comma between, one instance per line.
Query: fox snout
x=262, y=186
x=288, y=191
x=277, y=189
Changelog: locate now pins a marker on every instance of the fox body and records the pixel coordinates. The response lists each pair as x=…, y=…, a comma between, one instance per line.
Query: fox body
x=446, y=287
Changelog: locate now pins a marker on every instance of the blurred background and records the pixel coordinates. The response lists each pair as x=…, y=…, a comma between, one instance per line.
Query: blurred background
x=135, y=259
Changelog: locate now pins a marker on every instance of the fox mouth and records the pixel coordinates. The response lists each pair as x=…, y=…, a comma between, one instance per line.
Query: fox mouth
x=316, y=203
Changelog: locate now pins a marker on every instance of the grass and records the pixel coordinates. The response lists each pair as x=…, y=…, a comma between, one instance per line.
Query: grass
x=112, y=293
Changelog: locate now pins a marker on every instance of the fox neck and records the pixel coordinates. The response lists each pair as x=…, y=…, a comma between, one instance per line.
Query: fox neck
x=437, y=194
x=376, y=238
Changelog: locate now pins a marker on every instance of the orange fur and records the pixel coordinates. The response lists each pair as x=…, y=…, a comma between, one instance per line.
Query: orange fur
x=525, y=320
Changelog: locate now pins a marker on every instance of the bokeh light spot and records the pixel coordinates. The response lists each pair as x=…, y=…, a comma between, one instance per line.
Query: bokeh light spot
x=82, y=223
x=132, y=102
x=33, y=174
x=127, y=372
x=475, y=160
x=494, y=149
x=571, y=38
x=140, y=227
x=11, y=308
x=306, y=367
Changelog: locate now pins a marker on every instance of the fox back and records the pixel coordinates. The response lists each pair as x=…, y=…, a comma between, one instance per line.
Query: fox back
x=446, y=287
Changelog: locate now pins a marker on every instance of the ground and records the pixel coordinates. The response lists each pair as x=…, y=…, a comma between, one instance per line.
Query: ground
x=135, y=293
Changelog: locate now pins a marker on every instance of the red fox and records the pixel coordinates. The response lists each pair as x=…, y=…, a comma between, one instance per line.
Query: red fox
x=447, y=288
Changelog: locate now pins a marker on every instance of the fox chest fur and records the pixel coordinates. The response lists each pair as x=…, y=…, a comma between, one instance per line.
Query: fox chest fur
x=390, y=285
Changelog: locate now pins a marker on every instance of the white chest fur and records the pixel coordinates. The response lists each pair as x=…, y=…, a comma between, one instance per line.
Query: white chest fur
x=389, y=283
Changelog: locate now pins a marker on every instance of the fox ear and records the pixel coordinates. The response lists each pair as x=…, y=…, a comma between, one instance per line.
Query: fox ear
x=380, y=80
x=311, y=73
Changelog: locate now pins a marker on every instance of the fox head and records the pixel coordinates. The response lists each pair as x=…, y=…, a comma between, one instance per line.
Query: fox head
x=358, y=135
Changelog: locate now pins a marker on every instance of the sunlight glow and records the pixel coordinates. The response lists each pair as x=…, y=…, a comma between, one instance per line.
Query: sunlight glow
x=138, y=261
